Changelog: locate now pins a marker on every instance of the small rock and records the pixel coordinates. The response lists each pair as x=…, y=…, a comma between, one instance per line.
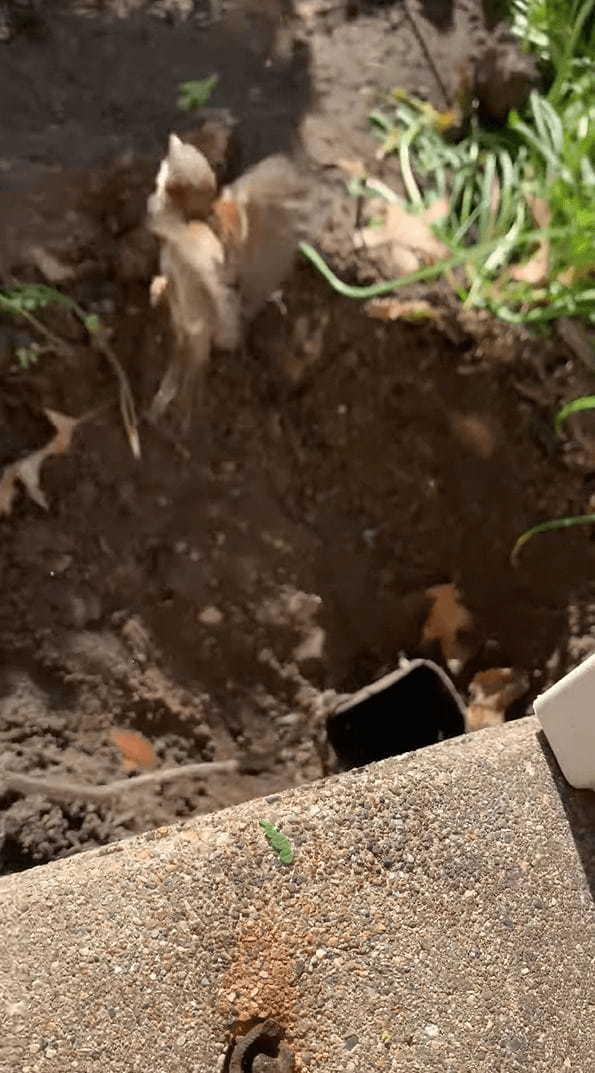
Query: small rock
x=211, y=616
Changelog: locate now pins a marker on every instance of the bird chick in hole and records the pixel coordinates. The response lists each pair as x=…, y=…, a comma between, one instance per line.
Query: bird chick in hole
x=222, y=255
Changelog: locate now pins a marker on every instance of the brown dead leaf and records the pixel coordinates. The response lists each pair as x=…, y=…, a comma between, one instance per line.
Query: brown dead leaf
x=491, y=693
x=136, y=750
x=410, y=236
x=355, y=169
x=536, y=269
x=27, y=470
x=450, y=624
x=393, y=309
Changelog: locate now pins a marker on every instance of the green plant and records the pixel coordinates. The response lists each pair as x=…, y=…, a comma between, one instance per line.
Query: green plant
x=529, y=22
x=521, y=200
x=278, y=842
x=194, y=95
x=24, y=300
x=576, y=406
x=27, y=355
x=500, y=184
x=548, y=527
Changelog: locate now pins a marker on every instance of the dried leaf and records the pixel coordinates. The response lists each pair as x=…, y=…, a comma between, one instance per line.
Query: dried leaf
x=393, y=309
x=491, y=693
x=355, y=169
x=136, y=750
x=410, y=236
x=536, y=269
x=27, y=470
x=450, y=624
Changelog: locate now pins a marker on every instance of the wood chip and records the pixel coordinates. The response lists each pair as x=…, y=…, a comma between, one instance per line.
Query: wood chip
x=450, y=624
x=137, y=752
x=491, y=693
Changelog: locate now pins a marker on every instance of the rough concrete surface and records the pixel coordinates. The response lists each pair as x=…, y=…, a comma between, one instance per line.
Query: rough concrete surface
x=438, y=916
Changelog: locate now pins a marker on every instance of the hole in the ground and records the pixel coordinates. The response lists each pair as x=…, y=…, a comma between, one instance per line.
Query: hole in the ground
x=15, y=858
x=251, y=1039
x=403, y=711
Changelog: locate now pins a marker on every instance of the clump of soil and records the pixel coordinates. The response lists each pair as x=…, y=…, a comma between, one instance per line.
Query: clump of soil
x=218, y=600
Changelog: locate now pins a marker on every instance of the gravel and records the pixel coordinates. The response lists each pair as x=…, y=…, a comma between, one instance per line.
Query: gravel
x=437, y=917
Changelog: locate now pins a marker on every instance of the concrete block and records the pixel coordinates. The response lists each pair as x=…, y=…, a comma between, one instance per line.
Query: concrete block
x=437, y=918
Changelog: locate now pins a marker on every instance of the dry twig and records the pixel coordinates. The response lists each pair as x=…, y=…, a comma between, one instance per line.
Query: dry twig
x=127, y=407
x=65, y=790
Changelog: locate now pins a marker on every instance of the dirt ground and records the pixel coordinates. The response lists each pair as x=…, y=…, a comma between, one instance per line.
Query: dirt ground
x=340, y=467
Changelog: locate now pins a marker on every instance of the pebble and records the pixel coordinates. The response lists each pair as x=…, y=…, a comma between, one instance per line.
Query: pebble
x=211, y=616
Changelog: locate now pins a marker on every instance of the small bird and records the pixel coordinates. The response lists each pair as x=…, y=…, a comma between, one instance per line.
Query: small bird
x=221, y=257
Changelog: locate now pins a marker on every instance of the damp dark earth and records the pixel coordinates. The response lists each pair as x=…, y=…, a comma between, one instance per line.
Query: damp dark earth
x=351, y=489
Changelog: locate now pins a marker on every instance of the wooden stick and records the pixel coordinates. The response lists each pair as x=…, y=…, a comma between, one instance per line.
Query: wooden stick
x=65, y=790
x=426, y=51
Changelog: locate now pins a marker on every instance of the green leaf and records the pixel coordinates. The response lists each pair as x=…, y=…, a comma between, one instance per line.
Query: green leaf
x=548, y=527
x=92, y=323
x=278, y=842
x=194, y=95
x=585, y=402
x=26, y=356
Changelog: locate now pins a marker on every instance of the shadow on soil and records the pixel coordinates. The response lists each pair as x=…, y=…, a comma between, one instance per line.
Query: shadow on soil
x=82, y=90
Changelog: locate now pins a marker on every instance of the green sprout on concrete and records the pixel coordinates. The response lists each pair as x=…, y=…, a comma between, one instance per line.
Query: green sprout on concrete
x=278, y=842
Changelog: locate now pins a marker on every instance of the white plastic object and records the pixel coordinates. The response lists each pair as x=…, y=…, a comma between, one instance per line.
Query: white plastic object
x=567, y=715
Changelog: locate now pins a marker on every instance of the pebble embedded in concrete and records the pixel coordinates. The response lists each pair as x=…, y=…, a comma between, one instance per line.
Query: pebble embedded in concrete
x=186, y=934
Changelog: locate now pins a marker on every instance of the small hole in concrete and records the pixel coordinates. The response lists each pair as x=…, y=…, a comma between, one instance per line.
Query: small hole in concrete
x=251, y=1038
x=407, y=710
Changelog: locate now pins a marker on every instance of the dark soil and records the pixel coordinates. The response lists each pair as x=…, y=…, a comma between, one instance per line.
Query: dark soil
x=340, y=467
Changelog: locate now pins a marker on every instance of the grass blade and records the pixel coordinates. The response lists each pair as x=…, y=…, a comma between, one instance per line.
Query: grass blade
x=540, y=147
x=577, y=406
x=551, y=121
x=509, y=179
x=374, y=290
x=486, y=215
x=548, y=527
x=406, y=170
